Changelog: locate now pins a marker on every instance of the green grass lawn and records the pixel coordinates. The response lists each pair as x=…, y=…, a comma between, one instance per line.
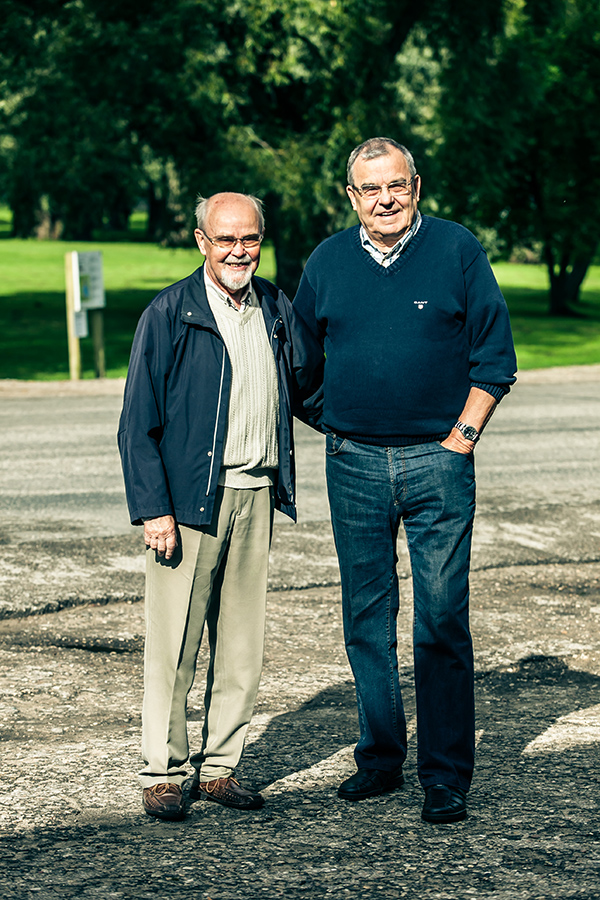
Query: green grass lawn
x=542, y=340
x=33, y=339
x=33, y=336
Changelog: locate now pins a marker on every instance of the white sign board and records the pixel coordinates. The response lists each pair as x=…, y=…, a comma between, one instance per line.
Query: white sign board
x=84, y=295
x=88, y=282
x=81, y=324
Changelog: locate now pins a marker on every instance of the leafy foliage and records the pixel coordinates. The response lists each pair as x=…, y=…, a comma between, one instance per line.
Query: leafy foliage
x=522, y=135
x=105, y=102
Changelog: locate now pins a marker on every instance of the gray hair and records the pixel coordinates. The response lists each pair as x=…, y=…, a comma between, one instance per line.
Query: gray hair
x=374, y=147
x=202, y=209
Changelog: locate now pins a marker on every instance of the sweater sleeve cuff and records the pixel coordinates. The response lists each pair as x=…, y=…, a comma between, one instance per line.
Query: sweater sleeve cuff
x=498, y=391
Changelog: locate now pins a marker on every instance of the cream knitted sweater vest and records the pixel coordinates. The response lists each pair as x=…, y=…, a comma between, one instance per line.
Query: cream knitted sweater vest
x=251, y=447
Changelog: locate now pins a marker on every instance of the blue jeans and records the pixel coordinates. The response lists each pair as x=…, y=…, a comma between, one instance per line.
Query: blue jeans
x=371, y=489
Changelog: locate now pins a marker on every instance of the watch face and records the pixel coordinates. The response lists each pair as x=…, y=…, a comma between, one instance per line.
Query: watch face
x=469, y=432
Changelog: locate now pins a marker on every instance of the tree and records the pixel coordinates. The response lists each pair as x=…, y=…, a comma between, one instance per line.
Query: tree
x=201, y=96
x=314, y=79
x=106, y=100
x=521, y=147
x=99, y=110
x=73, y=158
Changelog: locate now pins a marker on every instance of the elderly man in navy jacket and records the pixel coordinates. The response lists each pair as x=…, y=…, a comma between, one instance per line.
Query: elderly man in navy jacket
x=219, y=361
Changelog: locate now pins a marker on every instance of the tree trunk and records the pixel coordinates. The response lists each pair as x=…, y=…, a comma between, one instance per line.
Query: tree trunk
x=565, y=282
x=156, y=228
x=559, y=305
x=287, y=242
x=118, y=217
x=575, y=278
x=289, y=268
x=24, y=205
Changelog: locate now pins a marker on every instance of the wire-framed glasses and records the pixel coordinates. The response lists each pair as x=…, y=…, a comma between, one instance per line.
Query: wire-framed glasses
x=228, y=242
x=396, y=189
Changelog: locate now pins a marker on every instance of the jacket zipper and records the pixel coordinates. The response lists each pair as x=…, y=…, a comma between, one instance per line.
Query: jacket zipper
x=212, y=455
x=273, y=327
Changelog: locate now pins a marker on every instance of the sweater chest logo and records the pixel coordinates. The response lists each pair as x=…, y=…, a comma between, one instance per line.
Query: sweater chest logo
x=420, y=303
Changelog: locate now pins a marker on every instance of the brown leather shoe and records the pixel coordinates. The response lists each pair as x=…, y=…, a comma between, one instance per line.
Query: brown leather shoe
x=165, y=801
x=228, y=792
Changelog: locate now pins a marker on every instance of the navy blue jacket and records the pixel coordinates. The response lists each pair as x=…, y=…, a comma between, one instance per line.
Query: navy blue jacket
x=174, y=418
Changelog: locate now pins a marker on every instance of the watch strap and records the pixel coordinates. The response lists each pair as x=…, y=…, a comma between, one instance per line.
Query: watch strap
x=468, y=431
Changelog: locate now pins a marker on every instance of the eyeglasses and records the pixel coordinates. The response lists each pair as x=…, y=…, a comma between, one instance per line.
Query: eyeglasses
x=396, y=189
x=228, y=242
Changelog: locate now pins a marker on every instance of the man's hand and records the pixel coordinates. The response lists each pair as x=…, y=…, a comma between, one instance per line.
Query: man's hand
x=477, y=412
x=458, y=443
x=160, y=534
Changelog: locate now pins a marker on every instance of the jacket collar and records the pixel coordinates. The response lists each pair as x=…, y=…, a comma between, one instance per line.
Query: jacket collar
x=195, y=308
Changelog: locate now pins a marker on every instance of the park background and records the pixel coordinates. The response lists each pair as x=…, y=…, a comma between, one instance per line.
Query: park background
x=115, y=116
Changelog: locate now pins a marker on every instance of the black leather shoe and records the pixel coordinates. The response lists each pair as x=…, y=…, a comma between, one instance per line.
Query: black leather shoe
x=369, y=783
x=444, y=804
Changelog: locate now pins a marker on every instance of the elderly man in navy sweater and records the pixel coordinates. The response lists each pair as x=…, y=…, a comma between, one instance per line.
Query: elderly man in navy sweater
x=418, y=352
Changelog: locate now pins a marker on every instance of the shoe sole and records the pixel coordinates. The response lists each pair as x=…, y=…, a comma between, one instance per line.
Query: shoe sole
x=375, y=793
x=202, y=795
x=166, y=817
x=445, y=819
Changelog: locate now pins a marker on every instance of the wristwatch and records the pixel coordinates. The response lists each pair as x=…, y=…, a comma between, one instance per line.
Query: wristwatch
x=467, y=431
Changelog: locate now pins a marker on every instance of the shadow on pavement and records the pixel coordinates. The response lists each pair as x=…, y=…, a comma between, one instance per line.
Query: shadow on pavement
x=532, y=806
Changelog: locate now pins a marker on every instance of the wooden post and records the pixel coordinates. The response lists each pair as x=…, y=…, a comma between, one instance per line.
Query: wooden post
x=96, y=319
x=72, y=273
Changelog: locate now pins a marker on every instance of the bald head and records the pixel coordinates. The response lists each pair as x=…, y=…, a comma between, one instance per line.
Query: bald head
x=228, y=200
x=230, y=228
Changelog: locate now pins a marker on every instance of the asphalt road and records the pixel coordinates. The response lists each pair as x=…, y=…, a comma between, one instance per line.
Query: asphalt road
x=538, y=467
x=71, y=641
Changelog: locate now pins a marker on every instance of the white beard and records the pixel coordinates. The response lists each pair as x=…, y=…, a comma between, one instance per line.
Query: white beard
x=235, y=281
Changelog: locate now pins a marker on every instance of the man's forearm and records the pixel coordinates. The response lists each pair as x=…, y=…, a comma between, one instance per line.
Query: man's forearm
x=477, y=412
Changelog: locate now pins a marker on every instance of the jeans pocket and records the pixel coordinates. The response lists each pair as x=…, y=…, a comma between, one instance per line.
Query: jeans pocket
x=454, y=452
x=333, y=443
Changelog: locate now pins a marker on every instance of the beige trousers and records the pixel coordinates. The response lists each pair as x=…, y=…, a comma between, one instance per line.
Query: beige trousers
x=217, y=577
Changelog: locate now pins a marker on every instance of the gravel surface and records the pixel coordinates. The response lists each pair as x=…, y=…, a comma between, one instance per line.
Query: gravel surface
x=71, y=658
x=70, y=814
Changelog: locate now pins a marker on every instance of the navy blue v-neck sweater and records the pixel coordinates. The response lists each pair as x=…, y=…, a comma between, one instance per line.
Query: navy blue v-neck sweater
x=405, y=344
